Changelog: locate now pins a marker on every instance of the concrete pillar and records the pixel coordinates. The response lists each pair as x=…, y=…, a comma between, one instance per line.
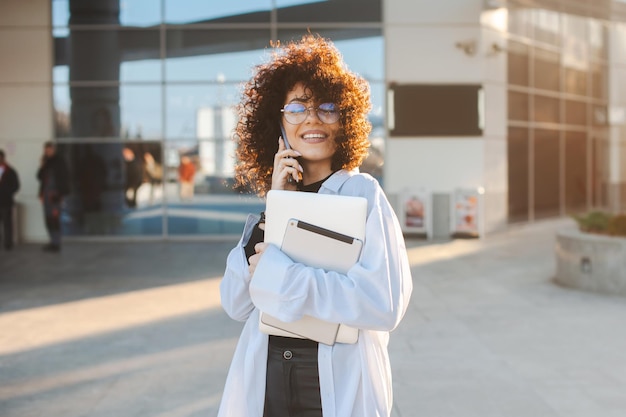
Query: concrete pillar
x=452, y=42
x=26, y=119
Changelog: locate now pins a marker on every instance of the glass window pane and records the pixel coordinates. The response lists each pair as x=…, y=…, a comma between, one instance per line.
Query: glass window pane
x=378, y=93
x=600, y=175
x=60, y=12
x=518, y=106
x=61, y=102
x=140, y=12
x=518, y=174
x=518, y=63
x=575, y=172
x=87, y=111
x=574, y=30
x=547, y=26
x=329, y=11
x=575, y=112
x=362, y=49
x=231, y=11
x=600, y=116
x=126, y=111
x=107, y=55
x=599, y=81
x=214, y=55
x=141, y=111
x=546, y=109
x=520, y=21
x=546, y=166
x=598, y=39
x=374, y=162
x=112, y=192
x=364, y=55
x=60, y=69
x=140, y=55
x=128, y=13
x=91, y=55
x=201, y=111
x=141, y=70
x=107, y=111
x=199, y=201
x=60, y=74
x=547, y=74
x=575, y=79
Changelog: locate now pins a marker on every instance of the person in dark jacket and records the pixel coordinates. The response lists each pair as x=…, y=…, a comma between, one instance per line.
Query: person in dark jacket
x=134, y=176
x=9, y=185
x=53, y=186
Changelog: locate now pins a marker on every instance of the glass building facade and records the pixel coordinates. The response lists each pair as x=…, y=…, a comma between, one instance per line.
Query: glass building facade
x=558, y=117
x=140, y=97
x=144, y=94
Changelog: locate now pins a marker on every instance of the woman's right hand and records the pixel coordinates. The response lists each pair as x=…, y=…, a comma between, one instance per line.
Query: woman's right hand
x=285, y=166
x=253, y=261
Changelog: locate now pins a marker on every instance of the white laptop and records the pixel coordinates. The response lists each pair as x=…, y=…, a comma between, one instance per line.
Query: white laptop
x=344, y=215
x=339, y=213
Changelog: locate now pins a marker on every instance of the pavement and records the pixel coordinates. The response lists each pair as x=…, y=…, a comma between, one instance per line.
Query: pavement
x=135, y=329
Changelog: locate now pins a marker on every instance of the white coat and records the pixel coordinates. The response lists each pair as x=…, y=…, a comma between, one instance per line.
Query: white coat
x=355, y=379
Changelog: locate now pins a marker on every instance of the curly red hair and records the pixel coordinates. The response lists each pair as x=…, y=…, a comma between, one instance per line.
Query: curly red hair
x=316, y=63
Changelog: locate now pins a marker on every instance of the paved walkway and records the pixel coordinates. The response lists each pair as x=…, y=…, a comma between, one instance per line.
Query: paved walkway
x=136, y=330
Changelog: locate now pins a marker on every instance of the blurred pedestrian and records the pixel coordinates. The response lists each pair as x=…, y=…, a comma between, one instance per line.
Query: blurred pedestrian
x=53, y=187
x=154, y=174
x=9, y=185
x=134, y=176
x=186, y=174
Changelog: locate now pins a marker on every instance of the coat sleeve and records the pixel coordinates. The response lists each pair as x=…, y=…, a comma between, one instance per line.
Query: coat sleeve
x=374, y=293
x=234, y=293
x=15, y=182
x=40, y=175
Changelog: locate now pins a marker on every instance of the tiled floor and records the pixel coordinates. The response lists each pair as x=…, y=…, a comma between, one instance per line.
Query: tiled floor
x=136, y=329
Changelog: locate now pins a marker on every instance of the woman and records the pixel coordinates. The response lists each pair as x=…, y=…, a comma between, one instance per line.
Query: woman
x=323, y=107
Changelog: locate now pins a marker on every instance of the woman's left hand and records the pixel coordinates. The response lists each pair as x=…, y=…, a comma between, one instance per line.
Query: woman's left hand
x=259, y=248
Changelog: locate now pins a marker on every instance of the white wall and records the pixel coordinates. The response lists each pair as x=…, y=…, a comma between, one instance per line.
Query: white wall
x=26, y=100
x=440, y=165
x=421, y=47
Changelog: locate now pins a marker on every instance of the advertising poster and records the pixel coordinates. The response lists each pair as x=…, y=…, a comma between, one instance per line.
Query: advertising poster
x=466, y=212
x=415, y=212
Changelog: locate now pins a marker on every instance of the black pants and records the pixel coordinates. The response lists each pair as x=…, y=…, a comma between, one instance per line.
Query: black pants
x=52, y=214
x=292, y=384
x=6, y=226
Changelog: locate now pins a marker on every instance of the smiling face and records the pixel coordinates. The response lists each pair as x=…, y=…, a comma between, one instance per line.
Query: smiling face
x=314, y=139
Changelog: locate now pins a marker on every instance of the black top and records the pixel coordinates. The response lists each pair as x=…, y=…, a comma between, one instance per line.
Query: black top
x=313, y=187
x=9, y=185
x=54, y=169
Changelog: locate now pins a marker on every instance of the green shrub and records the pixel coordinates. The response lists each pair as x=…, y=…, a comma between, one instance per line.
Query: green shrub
x=593, y=222
x=617, y=225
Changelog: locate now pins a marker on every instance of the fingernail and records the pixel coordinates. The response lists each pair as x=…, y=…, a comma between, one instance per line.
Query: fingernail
x=300, y=168
x=298, y=153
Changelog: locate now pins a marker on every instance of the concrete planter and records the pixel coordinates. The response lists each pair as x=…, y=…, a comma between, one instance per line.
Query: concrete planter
x=591, y=262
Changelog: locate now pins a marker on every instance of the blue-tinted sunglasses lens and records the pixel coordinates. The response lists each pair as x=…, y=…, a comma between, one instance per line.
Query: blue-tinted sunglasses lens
x=296, y=113
x=295, y=108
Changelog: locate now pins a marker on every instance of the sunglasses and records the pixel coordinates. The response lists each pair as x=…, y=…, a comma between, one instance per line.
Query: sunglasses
x=296, y=113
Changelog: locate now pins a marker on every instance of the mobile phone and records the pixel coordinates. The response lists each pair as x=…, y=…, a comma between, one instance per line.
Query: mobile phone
x=282, y=131
x=287, y=146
